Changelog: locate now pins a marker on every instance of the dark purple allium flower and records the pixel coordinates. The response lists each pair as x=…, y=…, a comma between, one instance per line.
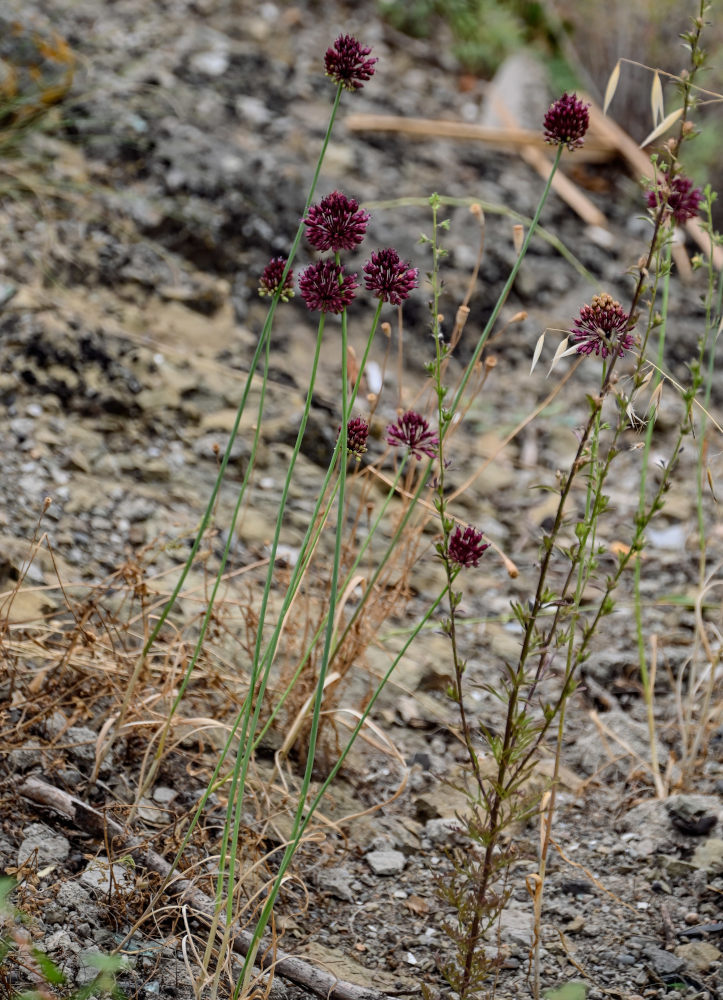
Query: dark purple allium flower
x=357, y=432
x=567, y=121
x=346, y=63
x=601, y=327
x=270, y=280
x=680, y=198
x=390, y=278
x=412, y=431
x=336, y=223
x=324, y=286
x=466, y=547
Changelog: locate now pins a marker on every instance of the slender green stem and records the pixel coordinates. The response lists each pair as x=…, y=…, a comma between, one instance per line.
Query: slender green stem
x=323, y=668
x=644, y=463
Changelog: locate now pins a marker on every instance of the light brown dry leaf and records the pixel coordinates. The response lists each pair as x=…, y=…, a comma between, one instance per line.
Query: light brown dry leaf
x=611, y=87
x=662, y=128
x=656, y=100
x=537, y=351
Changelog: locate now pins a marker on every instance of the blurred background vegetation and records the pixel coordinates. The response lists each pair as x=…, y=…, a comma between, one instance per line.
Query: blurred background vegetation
x=579, y=42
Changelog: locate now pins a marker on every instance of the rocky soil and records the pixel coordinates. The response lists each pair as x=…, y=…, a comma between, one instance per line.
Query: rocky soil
x=135, y=223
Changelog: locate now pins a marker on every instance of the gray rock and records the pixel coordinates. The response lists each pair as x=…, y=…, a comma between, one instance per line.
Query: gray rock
x=516, y=926
x=336, y=881
x=81, y=745
x=626, y=959
x=446, y=830
x=693, y=815
x=663, y=962
x=54, y=914
x=518, y=93
x=708, y=856
x=51, y=847
x=25, y=757
x=59, y=941
x=386, y=862
x=72, y=896
x=698, y=955
x=102, y=879
x=607, y=756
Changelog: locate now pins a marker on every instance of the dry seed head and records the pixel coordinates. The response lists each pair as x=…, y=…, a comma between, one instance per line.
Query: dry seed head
x=461, y=317
x=476, y=210
x=387, y=329
x=512, y=570
x=518, y=236
x=491, y=361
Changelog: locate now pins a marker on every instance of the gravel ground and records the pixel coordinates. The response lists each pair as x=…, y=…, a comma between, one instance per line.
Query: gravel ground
x=135, y=225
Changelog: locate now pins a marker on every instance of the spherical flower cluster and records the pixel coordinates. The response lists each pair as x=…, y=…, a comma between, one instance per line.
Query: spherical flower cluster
x=270, y=280
x=466, y=546
x=681, y=199
x=326, y=287
x=602, y=327
x=346, y=63
x=336, y=223
x=412, y=431
x=357, y=432
x=390, y=278
x=567, y=121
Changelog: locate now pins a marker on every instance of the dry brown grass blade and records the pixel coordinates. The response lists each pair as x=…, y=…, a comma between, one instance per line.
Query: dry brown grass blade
x=596, y=149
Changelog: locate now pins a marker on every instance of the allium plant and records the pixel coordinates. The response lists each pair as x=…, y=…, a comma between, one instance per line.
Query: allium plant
x=551, y=622
x=466, y=547
x=567, y=121
x=389, y=278
x=325, y=287
x=677, y=195
x=347, y=63
x=357, y=434
x=336, y=223
x=412, y=431
x=602, y=328
x=277, y=278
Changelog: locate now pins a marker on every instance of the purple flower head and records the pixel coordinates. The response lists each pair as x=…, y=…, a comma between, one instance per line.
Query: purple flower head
x=346, y=63
x=602, y=327
x=324, y=286
x=390, y=278
x=567, y=121
x=357, y=432
x=680, y=198
x=336, y=223
x=412, y=431
x=270, y=280
x=466, y=547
